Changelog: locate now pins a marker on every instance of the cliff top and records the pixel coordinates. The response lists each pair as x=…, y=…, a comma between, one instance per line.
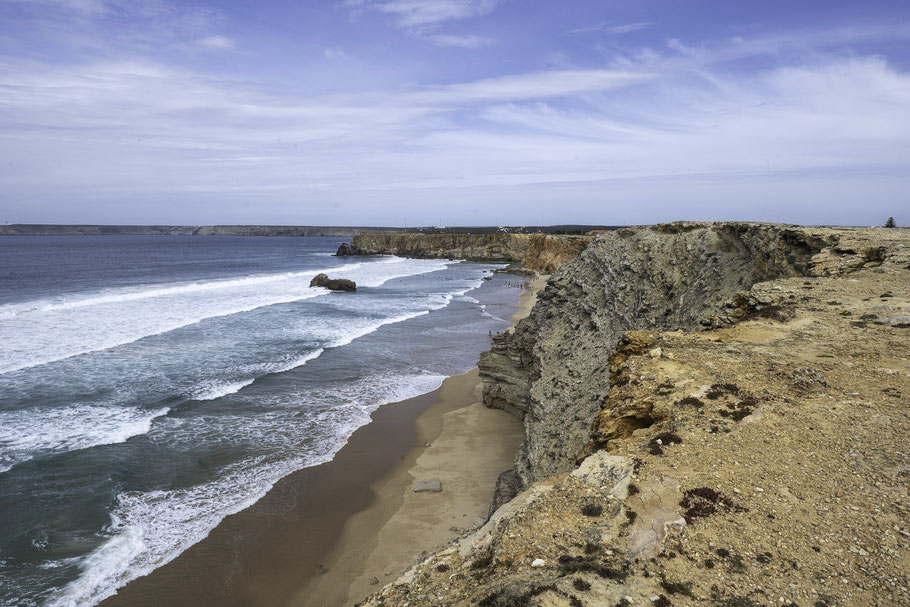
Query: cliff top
x=761, y=462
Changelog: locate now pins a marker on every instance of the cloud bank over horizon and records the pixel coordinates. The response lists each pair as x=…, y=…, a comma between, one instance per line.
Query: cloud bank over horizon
x=454, y=112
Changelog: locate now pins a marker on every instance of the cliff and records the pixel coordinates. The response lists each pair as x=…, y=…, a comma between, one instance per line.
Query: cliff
x=552, y=370
x=539, y=252
x=714, y=414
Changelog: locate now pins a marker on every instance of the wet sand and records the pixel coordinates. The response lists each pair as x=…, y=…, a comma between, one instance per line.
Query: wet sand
x=475, y=445
x=383, y=541
x=260, y=555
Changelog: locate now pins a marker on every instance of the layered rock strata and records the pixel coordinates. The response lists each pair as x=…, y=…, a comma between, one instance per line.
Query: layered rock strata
x=755, y=457
x=553, y=369
x=537, y=252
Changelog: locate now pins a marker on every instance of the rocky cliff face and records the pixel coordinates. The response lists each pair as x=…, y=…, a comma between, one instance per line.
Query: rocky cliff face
x=759, y=461
x=539, y=252
x=553, y=370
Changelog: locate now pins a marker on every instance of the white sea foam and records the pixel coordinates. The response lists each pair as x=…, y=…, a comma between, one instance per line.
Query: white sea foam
x=47, y=331
x=372, y=328
x=151, y=291
x=149, y=529
x=281, y=367
x=211, y=390
x=24, y=433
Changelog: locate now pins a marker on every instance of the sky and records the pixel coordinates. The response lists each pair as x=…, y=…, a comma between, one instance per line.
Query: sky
x=454, y=112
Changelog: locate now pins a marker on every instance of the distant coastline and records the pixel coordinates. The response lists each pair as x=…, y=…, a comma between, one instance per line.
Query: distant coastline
x=50, y=229
x=40, y=229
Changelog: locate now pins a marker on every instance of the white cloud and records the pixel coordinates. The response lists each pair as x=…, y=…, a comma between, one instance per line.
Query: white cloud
x=421, y=13
x=87, y=7
x=333, y=53
x=613, y=29
x=216, y=42
x=466, y=41
x=108, y=130
x=124, y=26
x=539, y=85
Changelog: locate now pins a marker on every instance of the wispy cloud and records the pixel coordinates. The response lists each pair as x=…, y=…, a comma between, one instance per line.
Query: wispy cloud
x=607, y=28
x=117, y=26
x=216, y=42
x=539, y=85
x=421, y=13
x=797, y=108
x=333, y=53
x=464, y=41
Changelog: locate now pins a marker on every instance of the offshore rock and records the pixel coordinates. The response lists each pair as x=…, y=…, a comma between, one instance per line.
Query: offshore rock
x=333, y=284
x=344, y=250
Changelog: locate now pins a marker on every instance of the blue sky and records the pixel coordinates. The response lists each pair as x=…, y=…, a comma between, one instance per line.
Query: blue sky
x=454, y=112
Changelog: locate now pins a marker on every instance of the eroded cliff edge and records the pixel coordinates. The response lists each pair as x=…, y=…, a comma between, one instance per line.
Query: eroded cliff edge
x=553, y=369
x=537, y=252
x=748, y=448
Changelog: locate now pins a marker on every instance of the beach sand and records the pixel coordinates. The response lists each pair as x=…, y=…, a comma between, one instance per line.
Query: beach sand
x=470, y=446
x=322, y=533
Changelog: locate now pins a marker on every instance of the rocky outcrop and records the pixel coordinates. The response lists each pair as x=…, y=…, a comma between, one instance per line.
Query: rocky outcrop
x=538, y=252
x=758, y=461
x=553, y=370
x=333, y=284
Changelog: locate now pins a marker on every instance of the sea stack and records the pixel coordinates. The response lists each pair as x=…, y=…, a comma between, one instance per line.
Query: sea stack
x=333, y=284
x=344, y=250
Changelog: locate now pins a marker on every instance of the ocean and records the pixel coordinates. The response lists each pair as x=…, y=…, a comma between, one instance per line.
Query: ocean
x=152, y=385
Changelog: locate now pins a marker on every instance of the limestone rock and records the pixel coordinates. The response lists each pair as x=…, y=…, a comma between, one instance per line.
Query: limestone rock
x=553, y=369
x=538, y=252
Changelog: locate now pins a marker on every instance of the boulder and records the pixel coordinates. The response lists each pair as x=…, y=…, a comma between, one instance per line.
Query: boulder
x=433, y=485
x=333, y=284
x=344, y=250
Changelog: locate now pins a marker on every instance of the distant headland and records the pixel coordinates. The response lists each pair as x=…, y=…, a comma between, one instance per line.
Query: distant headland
x=49, y=229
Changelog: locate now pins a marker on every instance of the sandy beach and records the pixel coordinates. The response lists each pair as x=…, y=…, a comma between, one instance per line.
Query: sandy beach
x=467, y=447
x=322, y=534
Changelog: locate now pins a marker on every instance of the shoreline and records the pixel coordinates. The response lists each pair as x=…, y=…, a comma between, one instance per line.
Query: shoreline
x=258, y=555
x=285, y=547
x=469, y=446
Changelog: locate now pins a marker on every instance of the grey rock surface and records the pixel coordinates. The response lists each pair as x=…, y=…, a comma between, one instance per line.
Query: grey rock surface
x=433, y=485
x=552, y=371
